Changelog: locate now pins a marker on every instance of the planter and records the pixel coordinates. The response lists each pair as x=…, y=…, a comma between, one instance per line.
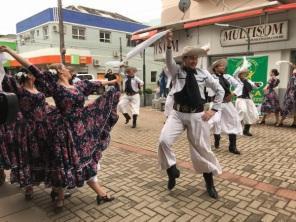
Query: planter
x=149, y=98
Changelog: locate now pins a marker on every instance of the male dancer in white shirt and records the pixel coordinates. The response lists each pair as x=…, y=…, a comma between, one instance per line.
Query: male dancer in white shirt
x=131, y=100
x=188, y=113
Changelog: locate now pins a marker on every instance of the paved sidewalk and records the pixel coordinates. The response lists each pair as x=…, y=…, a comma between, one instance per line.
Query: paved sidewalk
x=259, y=185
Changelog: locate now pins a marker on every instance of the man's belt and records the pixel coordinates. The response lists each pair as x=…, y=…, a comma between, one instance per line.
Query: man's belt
x=131, y=93
x=187, y=109
x=244, y=97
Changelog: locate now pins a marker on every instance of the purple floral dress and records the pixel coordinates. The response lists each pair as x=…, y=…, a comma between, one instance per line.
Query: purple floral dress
x=290, y=97
x=271, y=103
x=26, y=139
x=9, y=141
x=89, y=125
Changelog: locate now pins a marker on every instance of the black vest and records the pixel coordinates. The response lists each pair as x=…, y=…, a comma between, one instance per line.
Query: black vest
x=190, y=94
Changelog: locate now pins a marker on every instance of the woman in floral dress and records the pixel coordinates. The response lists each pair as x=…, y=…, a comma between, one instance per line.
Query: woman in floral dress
x=89, y=125
x=29, y=140
x=289, y=104
x=271, y=103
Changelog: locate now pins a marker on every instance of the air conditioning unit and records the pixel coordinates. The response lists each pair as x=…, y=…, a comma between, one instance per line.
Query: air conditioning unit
x=55, y=28
x=115, y=54
x=27, y=36
x=96, y=62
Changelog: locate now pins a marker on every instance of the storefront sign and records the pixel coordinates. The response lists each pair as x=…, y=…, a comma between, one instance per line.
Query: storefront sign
x=257, y=73
x=160, y=47
x=260, y=33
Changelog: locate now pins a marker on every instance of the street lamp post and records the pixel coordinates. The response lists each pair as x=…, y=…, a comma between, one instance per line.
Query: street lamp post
x=238, y=27
x=144, y=77
x=61, y=30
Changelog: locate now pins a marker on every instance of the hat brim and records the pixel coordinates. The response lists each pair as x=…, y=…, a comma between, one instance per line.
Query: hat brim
x=199, y=52
x=218, y=62
x=131, y=68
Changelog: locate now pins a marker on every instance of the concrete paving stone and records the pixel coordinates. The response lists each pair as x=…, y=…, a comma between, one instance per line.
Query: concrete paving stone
x=116, y=218
x=240, y=218
x=268, y=211
x=156, y=218
x=184, y=218
x=225, y=218
x=170, y=218
x=268, y=218
x=228, y=211
x=198, y=218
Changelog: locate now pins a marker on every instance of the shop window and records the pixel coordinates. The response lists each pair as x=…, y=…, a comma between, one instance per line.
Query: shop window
x=129, y=42
x=153, y=76
x=105, y=36
x=78, y=33
x=32, y=35
x=45, y=32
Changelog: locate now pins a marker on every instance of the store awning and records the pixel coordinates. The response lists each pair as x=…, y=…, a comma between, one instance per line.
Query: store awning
x=146, y=33
x=240, y=15
x=52, y=55
x=144, y=36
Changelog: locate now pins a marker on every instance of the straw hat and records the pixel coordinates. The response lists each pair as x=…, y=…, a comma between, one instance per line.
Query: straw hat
x=218, y=63
x=127, y=68
x=191, y=51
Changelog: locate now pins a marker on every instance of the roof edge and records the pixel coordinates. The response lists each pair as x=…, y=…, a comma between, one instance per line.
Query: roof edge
x=275, y=7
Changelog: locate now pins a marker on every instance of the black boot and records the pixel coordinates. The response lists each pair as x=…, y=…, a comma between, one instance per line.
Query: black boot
x=134, y=121
x=173, y=173
x=210, y=185
x=232, y=144
x=247, y=130
x=127, y=117
x=217, y=138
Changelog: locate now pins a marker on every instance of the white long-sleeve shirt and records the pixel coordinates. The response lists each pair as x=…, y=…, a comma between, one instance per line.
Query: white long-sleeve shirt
x=135, y=82
x=232, y=81
x=203, y=78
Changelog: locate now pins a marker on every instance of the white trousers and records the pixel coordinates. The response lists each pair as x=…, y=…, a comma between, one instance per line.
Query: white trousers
x=228, y=121
x=198, y=134
x=129, y=104
x=247, y=111
x=169, y=103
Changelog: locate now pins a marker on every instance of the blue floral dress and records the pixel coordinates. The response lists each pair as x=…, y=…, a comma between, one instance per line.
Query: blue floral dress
x=271, y=103
x=26, y=139
x=89, y=125
x=289, y=103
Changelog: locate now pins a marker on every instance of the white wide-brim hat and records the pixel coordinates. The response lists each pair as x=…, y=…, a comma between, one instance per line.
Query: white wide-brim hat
x=217, y=63
x=191, y=51
x=131, y=68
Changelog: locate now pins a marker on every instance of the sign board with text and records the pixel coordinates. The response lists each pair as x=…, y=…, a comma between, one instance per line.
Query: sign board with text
x=269, y=32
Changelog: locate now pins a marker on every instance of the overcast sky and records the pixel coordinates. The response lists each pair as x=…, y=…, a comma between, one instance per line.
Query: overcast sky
x=13, y=11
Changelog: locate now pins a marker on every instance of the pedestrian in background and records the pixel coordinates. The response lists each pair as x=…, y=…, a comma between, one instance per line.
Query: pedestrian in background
x=289, y=104
x=130, y=101
x=244, y=104
x=229, y=121
x=271, y=103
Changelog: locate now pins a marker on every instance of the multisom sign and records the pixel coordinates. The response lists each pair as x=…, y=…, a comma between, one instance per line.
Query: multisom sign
x=260, y=33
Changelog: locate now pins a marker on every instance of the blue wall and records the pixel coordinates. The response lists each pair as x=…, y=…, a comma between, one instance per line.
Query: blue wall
x=35, y=20
x=78, y=18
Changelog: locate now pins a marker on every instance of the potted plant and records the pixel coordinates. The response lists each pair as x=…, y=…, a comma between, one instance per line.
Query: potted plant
x=148, y=94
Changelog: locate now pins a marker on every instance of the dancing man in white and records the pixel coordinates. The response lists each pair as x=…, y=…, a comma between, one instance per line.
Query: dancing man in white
x=188, y=113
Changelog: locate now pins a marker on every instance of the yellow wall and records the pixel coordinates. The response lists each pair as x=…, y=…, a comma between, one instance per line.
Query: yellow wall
x=205, y=8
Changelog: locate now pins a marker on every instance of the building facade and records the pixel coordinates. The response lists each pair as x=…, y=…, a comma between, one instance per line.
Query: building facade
x=270, y=28
x=92, y=38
